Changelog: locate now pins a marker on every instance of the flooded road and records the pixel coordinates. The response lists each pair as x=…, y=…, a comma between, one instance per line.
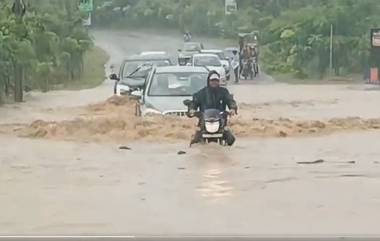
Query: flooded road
x=322, y=184
x=257, y=187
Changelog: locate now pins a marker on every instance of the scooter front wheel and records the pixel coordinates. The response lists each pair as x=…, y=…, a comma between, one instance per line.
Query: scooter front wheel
x=221, y=142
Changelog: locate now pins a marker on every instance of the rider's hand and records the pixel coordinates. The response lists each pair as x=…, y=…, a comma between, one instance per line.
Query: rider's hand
x=191, y=112
x=233, y=112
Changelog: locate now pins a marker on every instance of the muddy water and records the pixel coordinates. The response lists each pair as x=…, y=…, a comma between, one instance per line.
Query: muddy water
x=115, y=120
x=257, y=187
x=72, y=181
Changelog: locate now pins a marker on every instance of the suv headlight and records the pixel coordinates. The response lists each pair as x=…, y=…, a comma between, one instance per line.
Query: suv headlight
x=212, y=127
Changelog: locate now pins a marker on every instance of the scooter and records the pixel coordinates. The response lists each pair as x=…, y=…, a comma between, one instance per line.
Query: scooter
x=187, y=38
x=212, y=123
x=248, y=69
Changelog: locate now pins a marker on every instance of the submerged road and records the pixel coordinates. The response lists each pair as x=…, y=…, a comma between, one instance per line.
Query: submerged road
x=318, y=185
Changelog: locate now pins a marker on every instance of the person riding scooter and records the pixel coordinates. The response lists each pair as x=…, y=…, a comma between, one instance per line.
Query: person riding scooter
x=187, y=36
x=245, y=56
x=213, y=97
x=250, y=68
x=256, y=58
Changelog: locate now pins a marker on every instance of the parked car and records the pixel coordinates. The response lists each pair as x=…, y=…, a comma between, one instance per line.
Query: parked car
x=149, y=53
x=190, y=48
x=134, y=70
x=167, y=88
x=228, y=52
x=225, y=60
x=185, y=60
x=211, y=62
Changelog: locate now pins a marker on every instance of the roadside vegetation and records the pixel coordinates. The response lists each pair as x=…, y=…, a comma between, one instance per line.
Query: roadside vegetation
x=93, y=72
x=294, y=34
x=45, y=48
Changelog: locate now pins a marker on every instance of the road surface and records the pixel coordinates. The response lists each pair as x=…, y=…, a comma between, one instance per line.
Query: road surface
x=321, y=184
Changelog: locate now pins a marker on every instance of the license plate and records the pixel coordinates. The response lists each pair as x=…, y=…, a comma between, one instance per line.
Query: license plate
x=212, y=135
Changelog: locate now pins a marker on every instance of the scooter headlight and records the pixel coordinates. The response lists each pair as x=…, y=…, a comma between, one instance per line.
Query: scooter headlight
x=212, y=127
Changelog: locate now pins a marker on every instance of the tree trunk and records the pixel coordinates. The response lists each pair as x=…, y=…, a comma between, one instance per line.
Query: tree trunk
x=81, y=63
x=72, y=75
x=19, y=10
x=7, y=86
x=46, y=85
x=18, y=91
x=68, y=9
x=67, y=72
x=2, y=89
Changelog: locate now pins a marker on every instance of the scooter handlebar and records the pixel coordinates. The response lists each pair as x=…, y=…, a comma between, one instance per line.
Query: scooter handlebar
x=229, y=112
x=198, y=114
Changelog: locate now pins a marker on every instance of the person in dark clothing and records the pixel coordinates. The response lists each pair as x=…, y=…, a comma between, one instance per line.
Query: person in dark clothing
x=241, y=43
x=214, y=97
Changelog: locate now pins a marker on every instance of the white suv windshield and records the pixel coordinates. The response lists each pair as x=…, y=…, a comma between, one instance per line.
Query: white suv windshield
x=177, y=84
x=131, y=66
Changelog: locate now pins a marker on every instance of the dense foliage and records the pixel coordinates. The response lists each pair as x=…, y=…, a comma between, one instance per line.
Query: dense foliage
x=295, y=34
x=44, y=47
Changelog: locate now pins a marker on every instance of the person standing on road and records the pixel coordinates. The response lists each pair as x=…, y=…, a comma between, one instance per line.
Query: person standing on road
x=241, y=43
x=235, y=62
x=254, y=56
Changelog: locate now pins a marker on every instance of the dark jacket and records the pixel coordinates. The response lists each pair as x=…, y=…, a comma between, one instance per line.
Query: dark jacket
x=213, y=98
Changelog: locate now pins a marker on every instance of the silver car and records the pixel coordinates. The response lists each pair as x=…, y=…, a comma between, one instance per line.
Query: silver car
x=134, y=70
x=168, y=87
x=225, y=60
x=211, y=62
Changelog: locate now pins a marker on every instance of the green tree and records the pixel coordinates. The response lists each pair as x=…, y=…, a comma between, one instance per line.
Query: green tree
x=44, y=46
